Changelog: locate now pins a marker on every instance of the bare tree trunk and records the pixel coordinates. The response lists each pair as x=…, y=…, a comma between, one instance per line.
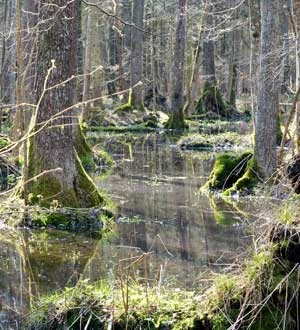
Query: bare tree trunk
x=137, y=38
x=19, y=124
x=210, y=102
x=55, y=171
x=176, y=120
x=194, y=82
x=86, y=95
x=285, y=89
x=255, y=37
x=3, y=60
x=296, y=22
x=266, y=116
x=234, y=55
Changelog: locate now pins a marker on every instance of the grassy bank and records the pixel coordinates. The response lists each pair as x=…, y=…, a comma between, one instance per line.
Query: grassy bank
x=262, y=293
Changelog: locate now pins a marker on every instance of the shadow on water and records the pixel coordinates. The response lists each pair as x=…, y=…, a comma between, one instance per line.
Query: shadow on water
x=166, y=231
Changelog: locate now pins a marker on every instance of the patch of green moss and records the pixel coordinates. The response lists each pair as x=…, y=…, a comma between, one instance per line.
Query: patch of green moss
x=176, y=121
x=105, y=158
x=87, y=193
x=228, y=168
x=44, y=190
x=88, y=163
x=84, y=151
x=3, y=142
x=51, y=219
x=247, y=181
x=131, y=104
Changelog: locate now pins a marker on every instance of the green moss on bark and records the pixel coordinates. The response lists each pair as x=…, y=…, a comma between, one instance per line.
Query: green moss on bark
x=44, y=188
x=131, y=104
x=247, y=181
x=176, y=121
x=227, y=170
x=87, y=193
x=211, y=102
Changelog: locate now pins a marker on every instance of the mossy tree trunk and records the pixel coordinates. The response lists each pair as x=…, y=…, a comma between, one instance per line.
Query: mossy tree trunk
x=266, y=116
x=55, y=171
x=176, y=120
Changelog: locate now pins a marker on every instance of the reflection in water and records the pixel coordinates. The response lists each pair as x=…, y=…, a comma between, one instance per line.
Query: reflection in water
x=166, y=233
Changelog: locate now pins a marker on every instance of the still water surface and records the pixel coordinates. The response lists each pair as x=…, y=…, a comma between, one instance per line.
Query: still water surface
x=166, y=232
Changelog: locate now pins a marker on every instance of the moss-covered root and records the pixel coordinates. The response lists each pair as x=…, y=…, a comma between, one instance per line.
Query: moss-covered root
x=131, y=104
x=176, y=121
x=246, y=182
x=211, y=102
x=227, y=170
x=48, y=189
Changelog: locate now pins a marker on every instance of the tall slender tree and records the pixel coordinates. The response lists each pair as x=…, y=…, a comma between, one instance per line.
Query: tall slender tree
x=137, y=37
x=176, y=120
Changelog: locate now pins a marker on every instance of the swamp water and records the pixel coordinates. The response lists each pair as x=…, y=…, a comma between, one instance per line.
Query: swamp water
x=166, y=233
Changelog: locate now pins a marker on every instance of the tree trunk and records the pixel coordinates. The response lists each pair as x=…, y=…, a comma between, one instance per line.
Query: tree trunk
x=296, y=20
x=211, y=101
x=86, y=95
x=194, y=82
x=234, y=56
x=176, y=120
x=137, y=39
x=3, y=67
x=55, y=171
x=266, y=116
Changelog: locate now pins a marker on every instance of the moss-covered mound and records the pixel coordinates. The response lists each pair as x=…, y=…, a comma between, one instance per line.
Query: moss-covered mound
x=222, y=141
x=92, y=220
x=228, y=168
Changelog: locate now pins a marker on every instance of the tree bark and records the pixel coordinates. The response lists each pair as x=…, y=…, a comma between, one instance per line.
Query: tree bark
x=194, y=82
x=211, y=101
x=55, y=171
x=137, y=38
x=176, y=120
x=87, y=95
x=266, y=116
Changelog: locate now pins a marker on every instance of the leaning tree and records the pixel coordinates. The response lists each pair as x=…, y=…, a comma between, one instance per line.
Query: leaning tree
x=54, y=169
